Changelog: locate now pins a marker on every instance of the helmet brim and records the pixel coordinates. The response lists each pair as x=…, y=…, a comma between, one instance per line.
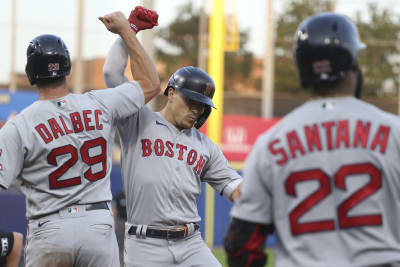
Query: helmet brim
x=195, y=96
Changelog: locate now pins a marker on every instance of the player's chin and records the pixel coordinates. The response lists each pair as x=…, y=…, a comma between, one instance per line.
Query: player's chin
x=189, y=123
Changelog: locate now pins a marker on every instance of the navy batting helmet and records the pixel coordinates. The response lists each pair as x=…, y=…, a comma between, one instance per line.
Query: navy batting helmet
x=326, y=49
x=47, y=57
x=194, y=84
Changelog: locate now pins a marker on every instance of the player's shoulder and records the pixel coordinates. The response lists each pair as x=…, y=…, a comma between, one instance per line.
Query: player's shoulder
x=126, y=86
x=378, y=114
x=199, y=137
x=26, y=113
x=197, y=134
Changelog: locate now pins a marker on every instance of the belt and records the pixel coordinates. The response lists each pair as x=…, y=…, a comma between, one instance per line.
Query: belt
x=174, y=233
x=97, y=206
x=94, y=206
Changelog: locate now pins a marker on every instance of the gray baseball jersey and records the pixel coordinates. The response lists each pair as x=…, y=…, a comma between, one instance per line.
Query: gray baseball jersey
x=61, y=150
x=163, y=169
x=327, y=176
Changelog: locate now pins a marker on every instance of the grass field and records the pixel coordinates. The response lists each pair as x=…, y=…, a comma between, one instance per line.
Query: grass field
x=220, y=255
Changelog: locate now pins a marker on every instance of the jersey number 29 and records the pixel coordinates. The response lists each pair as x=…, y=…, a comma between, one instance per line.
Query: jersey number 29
x=54, y=177
x=344, y=220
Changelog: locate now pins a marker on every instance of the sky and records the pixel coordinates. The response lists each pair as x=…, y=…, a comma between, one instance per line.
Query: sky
x=60, y=17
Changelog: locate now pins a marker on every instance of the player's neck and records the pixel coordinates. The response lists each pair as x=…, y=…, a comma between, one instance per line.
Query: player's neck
x=167, y=115
x=49, y=93
x=344, y=88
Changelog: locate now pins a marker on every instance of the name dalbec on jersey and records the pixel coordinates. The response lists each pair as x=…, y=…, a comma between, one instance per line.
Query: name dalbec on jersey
x=360, y=138
x=58, y=126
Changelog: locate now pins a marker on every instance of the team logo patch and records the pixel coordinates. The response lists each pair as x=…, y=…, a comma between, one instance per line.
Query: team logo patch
x=72, y=210
x=61, y=103
x=329, y=105
x=323, y=68
x=53, y=66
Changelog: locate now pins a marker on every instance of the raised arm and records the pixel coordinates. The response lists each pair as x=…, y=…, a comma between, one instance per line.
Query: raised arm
x=142, y=67
x=115, y=64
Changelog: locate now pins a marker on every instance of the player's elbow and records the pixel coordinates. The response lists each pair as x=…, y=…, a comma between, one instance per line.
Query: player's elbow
x=150, y=90
x=109, y=78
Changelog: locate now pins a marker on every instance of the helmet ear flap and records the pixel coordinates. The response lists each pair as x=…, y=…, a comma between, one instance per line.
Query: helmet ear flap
x=359, y=85
x=202, y=119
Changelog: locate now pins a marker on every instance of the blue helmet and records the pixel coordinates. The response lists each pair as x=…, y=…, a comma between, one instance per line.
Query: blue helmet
x=194, y=84
x=47, y=57
x=326, y=49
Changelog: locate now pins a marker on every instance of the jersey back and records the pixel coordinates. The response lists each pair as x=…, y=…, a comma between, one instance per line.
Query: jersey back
x=61, y=150
x=327, y=176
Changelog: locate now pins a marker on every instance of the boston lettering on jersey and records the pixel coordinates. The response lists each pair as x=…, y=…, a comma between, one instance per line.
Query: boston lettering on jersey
x=55, y=127
x=166, y=149
x=337, y=135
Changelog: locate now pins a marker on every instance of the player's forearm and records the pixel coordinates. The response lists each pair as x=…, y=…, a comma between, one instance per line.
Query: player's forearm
x=142, y=67
x=14, y=257
x=115, y=64
x=232, y=190
x=236, y=193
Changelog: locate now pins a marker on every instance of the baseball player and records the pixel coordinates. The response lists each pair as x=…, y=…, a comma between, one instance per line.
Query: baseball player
x=325, y=179
x=164, y=160
x=10, y=248
x=60, y=148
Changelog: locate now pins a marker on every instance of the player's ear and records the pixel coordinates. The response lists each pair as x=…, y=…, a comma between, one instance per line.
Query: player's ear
x=171, y=92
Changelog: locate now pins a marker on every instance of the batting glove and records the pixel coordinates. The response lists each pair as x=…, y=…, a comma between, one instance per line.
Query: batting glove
x=142, y=18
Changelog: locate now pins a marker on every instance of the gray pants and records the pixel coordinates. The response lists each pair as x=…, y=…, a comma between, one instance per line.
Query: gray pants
x=154, y=252
x=73, y=237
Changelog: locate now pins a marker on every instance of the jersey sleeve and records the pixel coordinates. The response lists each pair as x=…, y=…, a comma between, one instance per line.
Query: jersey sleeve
x=11, y=154
x=115, y=64
x=219, y=174
x=255, y=201
x=122, y=101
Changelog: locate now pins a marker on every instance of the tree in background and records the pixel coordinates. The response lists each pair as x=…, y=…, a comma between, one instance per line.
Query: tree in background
x=380, y=61
x=178, y=46
x=378, y=28
x=179, y=40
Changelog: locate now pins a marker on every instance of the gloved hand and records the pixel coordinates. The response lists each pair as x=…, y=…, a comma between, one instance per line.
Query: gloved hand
x=142, y=18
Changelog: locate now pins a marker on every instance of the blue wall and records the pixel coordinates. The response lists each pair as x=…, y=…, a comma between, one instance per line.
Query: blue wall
x=18, y=101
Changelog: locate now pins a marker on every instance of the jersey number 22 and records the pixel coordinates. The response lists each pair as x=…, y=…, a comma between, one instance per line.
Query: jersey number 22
x=344, y=220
